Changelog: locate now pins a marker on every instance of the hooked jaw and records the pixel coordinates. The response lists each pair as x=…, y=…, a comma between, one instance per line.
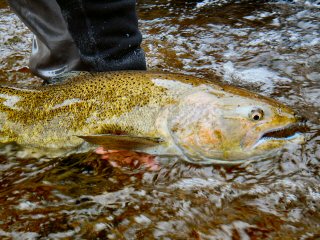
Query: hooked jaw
x=279, y=136
x=264, y=144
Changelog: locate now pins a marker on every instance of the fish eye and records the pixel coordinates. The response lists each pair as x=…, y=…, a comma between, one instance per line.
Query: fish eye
x=256, y=114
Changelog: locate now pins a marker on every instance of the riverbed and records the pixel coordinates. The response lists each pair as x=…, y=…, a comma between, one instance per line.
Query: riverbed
x=269, y=47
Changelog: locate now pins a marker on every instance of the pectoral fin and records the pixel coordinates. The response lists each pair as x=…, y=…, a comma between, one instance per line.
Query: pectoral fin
x=122, y=142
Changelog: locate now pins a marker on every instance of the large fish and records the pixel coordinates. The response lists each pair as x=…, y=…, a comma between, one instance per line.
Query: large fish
x=202, y=121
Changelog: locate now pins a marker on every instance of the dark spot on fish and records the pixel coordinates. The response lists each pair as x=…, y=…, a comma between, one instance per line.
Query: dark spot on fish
x=218, y=134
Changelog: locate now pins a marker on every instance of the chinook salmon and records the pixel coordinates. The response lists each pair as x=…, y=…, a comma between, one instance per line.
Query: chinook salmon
x=200, y=120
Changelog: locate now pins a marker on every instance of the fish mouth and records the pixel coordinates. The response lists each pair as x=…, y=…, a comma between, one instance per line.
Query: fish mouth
x=285, y=133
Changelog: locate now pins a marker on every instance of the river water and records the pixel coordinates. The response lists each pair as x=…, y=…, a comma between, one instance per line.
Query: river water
x=271, y=47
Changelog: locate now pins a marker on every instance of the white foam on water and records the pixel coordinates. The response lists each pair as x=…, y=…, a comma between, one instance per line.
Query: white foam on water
x=276, y=22
x=250, y=17
x=118, y=198
x=310, y=95
x=295, y=214
x=226, y=231
x=308, y=3
x=6, y=166
x=259, y=190
x=212, y=2
x=314, y=76
x=60, y=235
x=142, y=219
x=259, y=16
x=314, y=194
x=100, y=226
x=27, y=206
x=261, y=77
x=19, y=235
x=194, y=183
x=163, y=228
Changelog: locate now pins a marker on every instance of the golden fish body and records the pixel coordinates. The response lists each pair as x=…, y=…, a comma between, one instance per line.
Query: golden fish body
x=198, y=119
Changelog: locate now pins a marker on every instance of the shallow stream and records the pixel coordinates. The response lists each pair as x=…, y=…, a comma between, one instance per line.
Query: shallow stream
x=270, y=47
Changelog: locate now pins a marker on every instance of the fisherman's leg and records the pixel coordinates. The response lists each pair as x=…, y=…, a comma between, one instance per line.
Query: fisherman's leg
x=106, y=32
x=53, y=51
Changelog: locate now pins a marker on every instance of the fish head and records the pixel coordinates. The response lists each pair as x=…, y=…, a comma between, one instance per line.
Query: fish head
x=230, y=126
